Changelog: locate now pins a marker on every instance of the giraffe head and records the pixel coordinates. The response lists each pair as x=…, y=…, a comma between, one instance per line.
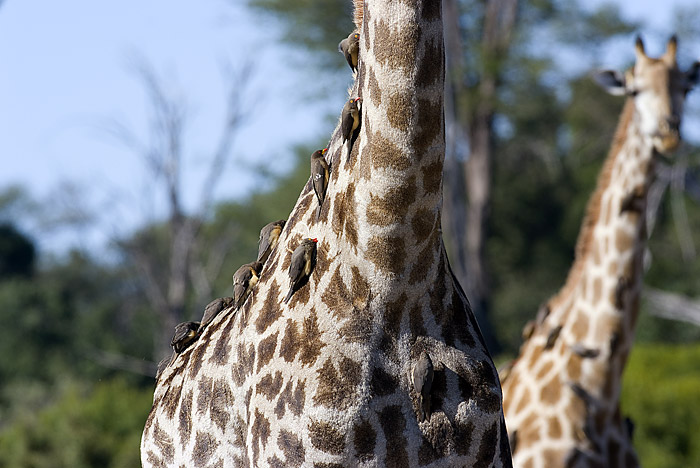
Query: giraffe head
x=658, y=88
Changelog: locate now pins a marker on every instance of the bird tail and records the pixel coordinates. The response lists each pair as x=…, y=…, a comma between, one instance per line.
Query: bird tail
x=289, y=296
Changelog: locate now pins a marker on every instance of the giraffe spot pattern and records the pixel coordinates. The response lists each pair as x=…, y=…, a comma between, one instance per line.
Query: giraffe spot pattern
x=394, y=313
x=270, y=310
x=396, y=48
x=422, y=223
x=464, y=432
x=364, y=440
x=432, y=177
x=382, y=383
x=337, y=387
x=260, y=432
x=375, y=92
x=243, y=366
x=393, y=206
x=384, y=152
x=430, y=117
x=311, y=343
x=171, y=399
x=269, y=386
x=266, y=350
x=164, y=443
x=393, y=424
x=185, y=420
x=422, y=264
x=292, y=447
x=220, y=403
x=219, y=355
x=292, y=397
x=336, y=295
x=327, y=438
x=388, y=253
x=290, y=344
x=415, y=320
x=434, y=58
x=204, y=447
x=399, y=111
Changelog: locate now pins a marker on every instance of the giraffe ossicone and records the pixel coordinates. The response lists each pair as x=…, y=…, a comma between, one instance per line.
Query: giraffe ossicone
x=561, y=394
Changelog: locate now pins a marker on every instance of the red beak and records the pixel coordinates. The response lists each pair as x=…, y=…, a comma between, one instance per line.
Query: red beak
x=314, y=239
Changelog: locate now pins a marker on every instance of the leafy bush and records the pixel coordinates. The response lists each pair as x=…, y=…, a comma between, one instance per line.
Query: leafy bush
x=661, y=393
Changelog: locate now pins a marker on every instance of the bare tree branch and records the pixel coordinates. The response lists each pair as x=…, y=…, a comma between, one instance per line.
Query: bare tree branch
x=672, y=306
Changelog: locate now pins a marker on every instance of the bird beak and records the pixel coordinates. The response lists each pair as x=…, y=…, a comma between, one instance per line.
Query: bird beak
x=324, y=150
x=314, y=240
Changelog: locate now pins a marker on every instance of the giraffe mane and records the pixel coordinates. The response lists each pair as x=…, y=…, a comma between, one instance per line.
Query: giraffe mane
x=358, y=12
x=585, y=238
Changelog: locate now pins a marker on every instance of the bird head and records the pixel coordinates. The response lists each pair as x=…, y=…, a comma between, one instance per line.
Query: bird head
x=324, y=150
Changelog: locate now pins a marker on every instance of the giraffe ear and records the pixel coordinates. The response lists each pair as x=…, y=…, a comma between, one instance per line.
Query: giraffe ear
x=612, y=81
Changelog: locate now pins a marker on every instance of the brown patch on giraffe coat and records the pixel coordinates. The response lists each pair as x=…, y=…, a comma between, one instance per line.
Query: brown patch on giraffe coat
x=221, y=402
x=244, y=363
x=171, y=400
x=422, y=264
x=322, y=263
x=385, y=154
x=544, y=370
x=205, y=446
x=364, y=440
x=393, y=424
x=266, y=350
x=573, y=367
x=301, y=208
x=360, y=286
x=394, y=313
x=197, y=356
x=290, y=344
x=579, y=329
x=415, y=321
x=524, y=401
x=388, y=253
x=270, y=310
x=396, y=48
x=336, y=296
x=432, y=61
x=260, y=432
x=551, y=391
x=399, y=111
x=269, y=386
x=463, y=436
x=185, y=419
x=422, y=223
x=555, y=430
x=430, y=11
x=430, y=119
x=597, y=289
x=432, y=177
x=292, y=397
x=487, y=447
x=375, y=93
x=220, y=354
x=293, y=448
x=344, y=215
x=393, y=206
x=327, y=438
x=585, y=243
x=337, y=387
x=382, y=383
x=311, y=343
x=623, y=240
x=204, y=394
x=154, y=460
x=164, y=442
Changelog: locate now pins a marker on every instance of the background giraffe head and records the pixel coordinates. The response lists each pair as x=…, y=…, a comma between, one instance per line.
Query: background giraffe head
x=658, y=88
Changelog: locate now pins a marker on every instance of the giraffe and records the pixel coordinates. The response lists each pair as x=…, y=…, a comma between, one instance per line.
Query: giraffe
x=561, y=394
x=326, y=379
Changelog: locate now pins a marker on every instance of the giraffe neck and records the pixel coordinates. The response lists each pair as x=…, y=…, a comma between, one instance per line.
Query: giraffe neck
x=605, y=280
x=561, y=397
x=391, y=208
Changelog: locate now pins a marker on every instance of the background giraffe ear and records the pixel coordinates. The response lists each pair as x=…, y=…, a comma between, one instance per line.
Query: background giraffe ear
x=612, y=81
x=693, y=75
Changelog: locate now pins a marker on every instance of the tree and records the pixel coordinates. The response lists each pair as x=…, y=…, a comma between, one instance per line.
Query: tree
x=171, y=257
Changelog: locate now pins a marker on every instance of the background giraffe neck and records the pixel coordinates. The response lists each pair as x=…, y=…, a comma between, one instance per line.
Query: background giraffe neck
x=607, y=271
x=395, y=168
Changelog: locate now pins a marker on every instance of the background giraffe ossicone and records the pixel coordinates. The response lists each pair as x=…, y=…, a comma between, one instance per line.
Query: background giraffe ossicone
x=325, y=380
x=561, y=395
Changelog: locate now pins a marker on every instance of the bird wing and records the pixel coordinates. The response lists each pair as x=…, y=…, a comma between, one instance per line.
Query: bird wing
x=346, y=125
x=264, y=242
x=296, y=268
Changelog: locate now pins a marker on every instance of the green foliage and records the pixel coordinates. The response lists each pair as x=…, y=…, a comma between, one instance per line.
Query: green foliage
x=83, y=428
x=17, y=253
x=661, y=393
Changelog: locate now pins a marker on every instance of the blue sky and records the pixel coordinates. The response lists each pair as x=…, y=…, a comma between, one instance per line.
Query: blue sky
x=64, y=69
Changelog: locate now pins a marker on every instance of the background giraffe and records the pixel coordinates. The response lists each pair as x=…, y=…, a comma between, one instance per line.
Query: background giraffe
x=325, y=380
x=561, y=396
